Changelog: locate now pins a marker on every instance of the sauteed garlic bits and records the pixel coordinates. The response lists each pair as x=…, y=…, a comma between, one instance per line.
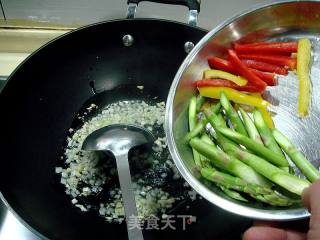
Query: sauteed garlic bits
x=90, y=177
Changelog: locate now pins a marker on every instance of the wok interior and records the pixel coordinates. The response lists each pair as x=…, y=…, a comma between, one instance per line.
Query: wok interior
x=42, y=97
x=283, y=21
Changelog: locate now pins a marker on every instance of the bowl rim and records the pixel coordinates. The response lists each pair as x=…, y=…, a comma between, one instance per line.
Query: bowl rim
x=200, y=188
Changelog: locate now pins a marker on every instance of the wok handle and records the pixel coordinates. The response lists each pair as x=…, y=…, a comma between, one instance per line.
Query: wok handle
x=191, y=4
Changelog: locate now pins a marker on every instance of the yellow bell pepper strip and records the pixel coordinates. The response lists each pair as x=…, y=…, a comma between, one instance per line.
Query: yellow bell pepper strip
x=209, y=74
x=233, y=95
x=267, y=117
x=303, y=72
x=225, y=83
x=264, y=111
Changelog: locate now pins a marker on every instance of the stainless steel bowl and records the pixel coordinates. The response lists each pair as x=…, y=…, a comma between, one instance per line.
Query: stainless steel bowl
x=284, y=20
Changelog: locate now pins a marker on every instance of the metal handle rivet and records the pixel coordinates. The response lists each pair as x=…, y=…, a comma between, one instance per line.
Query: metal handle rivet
x=188, y=46
x=127, y=40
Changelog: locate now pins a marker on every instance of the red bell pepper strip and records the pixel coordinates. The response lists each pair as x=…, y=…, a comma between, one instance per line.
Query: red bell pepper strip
x=266, y=67
x=221, y=64
x=269, y=48
x=273, y=59
x=225, y=83
x=263, y=43
x=224, y=65
x=268, y=78
x=245, y=72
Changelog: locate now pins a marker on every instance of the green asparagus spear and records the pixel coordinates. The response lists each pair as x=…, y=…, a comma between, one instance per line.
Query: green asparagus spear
x=217, y=121
x=197, y=130
x=207, y=139
x=258, y=149
x=227, y=163
x=220, y=120
x=200, y=126
x=296, y=156
x=251, y=128
x=214, y=120
x=233, y=194
x=266, y=134
x=192, y=124
x=205, y=161
x=280, y=200
x=192, y=112
x=275, y=200
x=216, y=108
x=232, y=115
x=232, y=182
x=200, y=102
x=274, y=174
x=256, y=191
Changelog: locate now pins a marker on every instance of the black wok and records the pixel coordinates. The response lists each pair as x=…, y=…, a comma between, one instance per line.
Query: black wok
x=40, y=100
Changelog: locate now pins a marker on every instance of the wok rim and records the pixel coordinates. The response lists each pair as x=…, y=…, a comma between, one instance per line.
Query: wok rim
x=93, y=25
x=233, y=207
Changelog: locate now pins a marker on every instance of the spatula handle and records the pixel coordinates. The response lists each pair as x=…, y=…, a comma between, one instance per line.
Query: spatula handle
x=129, y=203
